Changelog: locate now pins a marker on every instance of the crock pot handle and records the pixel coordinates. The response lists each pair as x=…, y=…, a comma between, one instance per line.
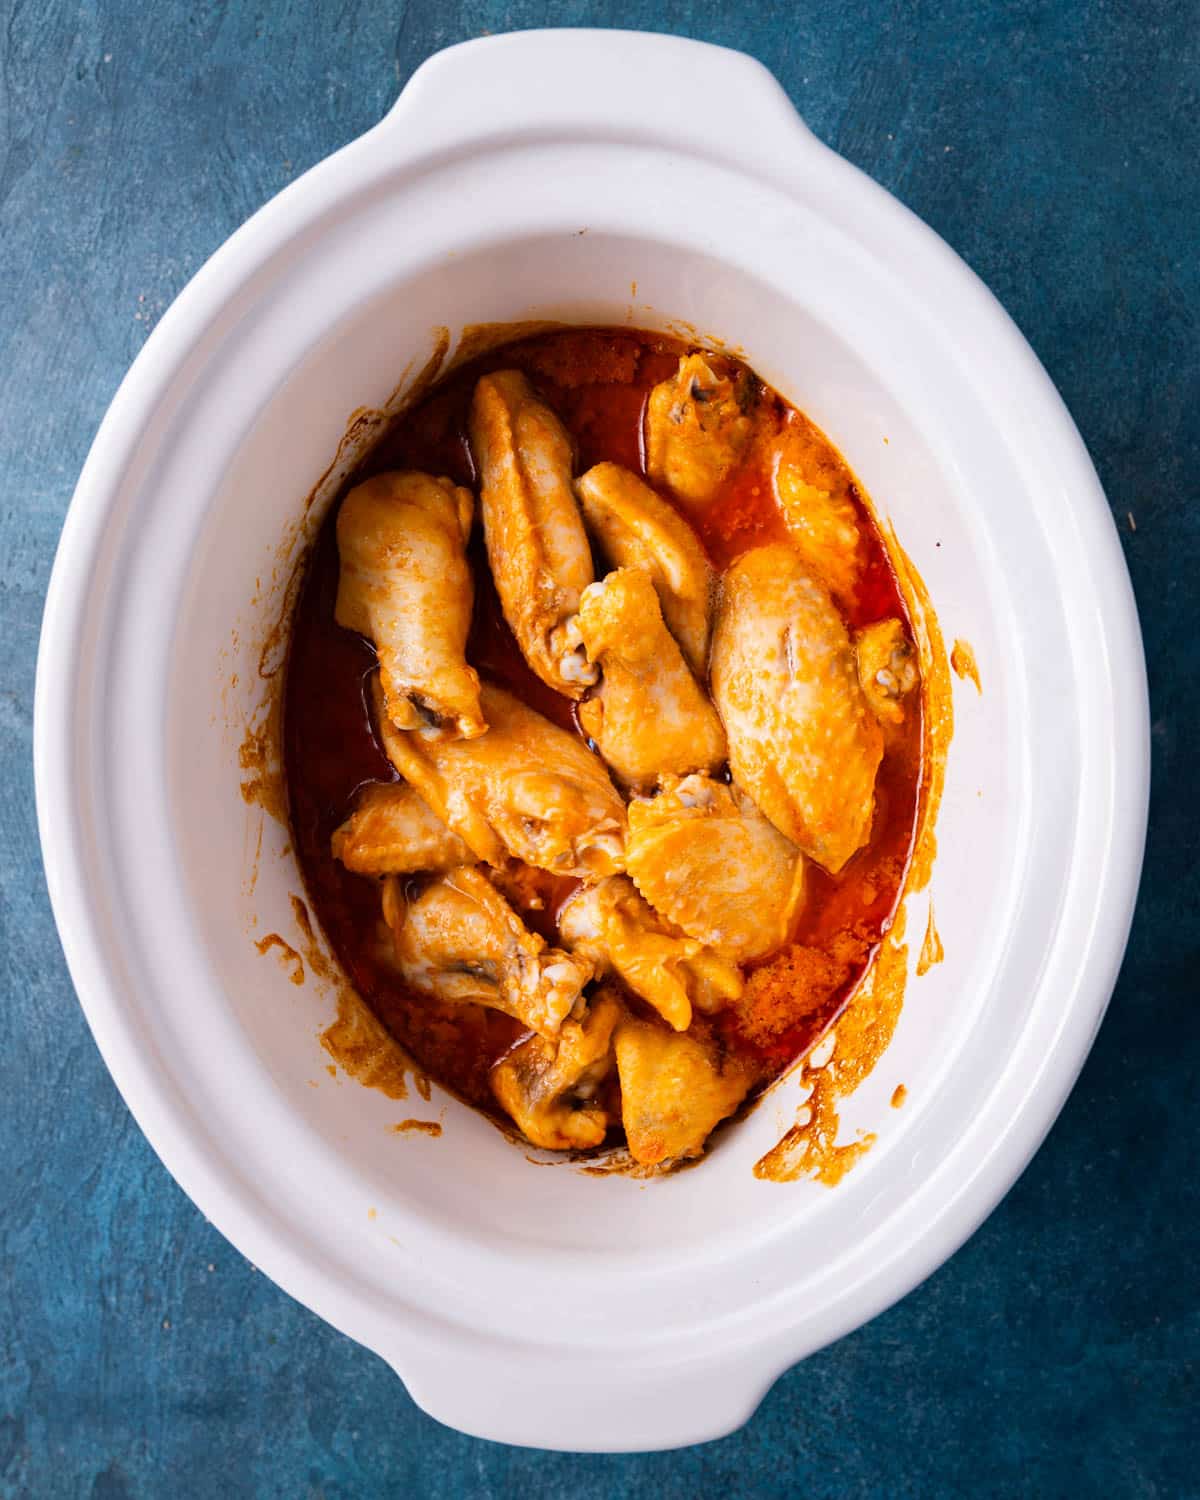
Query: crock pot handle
x=631, y=85
x=577, y=1403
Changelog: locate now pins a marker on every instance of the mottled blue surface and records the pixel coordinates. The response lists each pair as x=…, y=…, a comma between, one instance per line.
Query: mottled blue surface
x=1055, y=146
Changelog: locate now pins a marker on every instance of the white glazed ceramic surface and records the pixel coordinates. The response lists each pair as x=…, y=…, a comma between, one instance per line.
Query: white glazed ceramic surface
x=539, y=176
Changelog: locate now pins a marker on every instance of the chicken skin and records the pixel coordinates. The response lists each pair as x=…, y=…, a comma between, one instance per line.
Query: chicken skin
x=802, y=739
x=635, y=528
x=674, y=1089
x=394, y=831
x=887, y=671
x=698, y=428
x=705, y=857
x=405, y=584
x=536, y=543
x=649, y=716
x=526, y=790
x=460, y=941
x=814, y=499
x=549, y=1087
x=615, y=930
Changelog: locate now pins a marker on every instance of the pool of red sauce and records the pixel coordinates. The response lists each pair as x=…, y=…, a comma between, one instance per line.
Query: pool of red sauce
x=598, y=382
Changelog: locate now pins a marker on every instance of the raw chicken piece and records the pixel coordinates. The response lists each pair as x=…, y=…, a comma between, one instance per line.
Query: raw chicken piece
x=616, y=930
x=697, y=427
x=648, y=715
x=887, y=670
x=394, y=831
x=636, y=528
x=459, y=940
x=536, y=543
x=526, y=790
x=705, y=857
x=549, y=1087
x=814, y=497
x=802, y=740
x=405, y=584
x=674, y=1089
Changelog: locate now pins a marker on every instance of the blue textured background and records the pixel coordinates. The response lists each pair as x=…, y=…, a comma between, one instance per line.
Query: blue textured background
x=1054, y=145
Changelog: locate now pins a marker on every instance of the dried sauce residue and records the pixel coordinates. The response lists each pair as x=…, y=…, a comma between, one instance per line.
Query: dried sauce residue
x=864, y=1029
x=252, y=848
x=260, y=754
x=899, y=1095
x=938, y=706
x=318, y=960
x=962, y=659
x=262, y=771
x=417, y=1127
x=481, y=338
x=932, y=951
x=362, y=1047
x=810, y=1148
x=695, y=337
x=357, y=1040
x=866, y=1026
x=288, y=955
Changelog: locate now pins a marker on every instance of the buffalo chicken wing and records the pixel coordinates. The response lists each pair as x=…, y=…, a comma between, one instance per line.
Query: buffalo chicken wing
x=405, y=584
x=459, y=940
x=802, y=740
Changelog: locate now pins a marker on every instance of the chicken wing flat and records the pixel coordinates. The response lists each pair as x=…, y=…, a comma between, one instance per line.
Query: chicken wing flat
x=705, y=857
x=674, y=1089
x=549, y=1087
x=536, y=543
x=394, y=831
x=611, y=926
x=648, y=716
x=405, y=584
x=526, y=790
x=887, y=671
x=698, y=427
x=802, y=740
x=460, y=941
x=814, y=498
x=635, y=528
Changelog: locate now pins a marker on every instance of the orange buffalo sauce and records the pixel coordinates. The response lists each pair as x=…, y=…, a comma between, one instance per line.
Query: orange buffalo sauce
x=598, y=381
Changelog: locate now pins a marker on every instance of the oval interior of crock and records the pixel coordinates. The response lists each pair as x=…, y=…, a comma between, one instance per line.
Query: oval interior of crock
x=471, y=1185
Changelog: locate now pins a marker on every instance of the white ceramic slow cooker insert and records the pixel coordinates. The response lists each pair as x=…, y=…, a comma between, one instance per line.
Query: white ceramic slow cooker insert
x=542, y=176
